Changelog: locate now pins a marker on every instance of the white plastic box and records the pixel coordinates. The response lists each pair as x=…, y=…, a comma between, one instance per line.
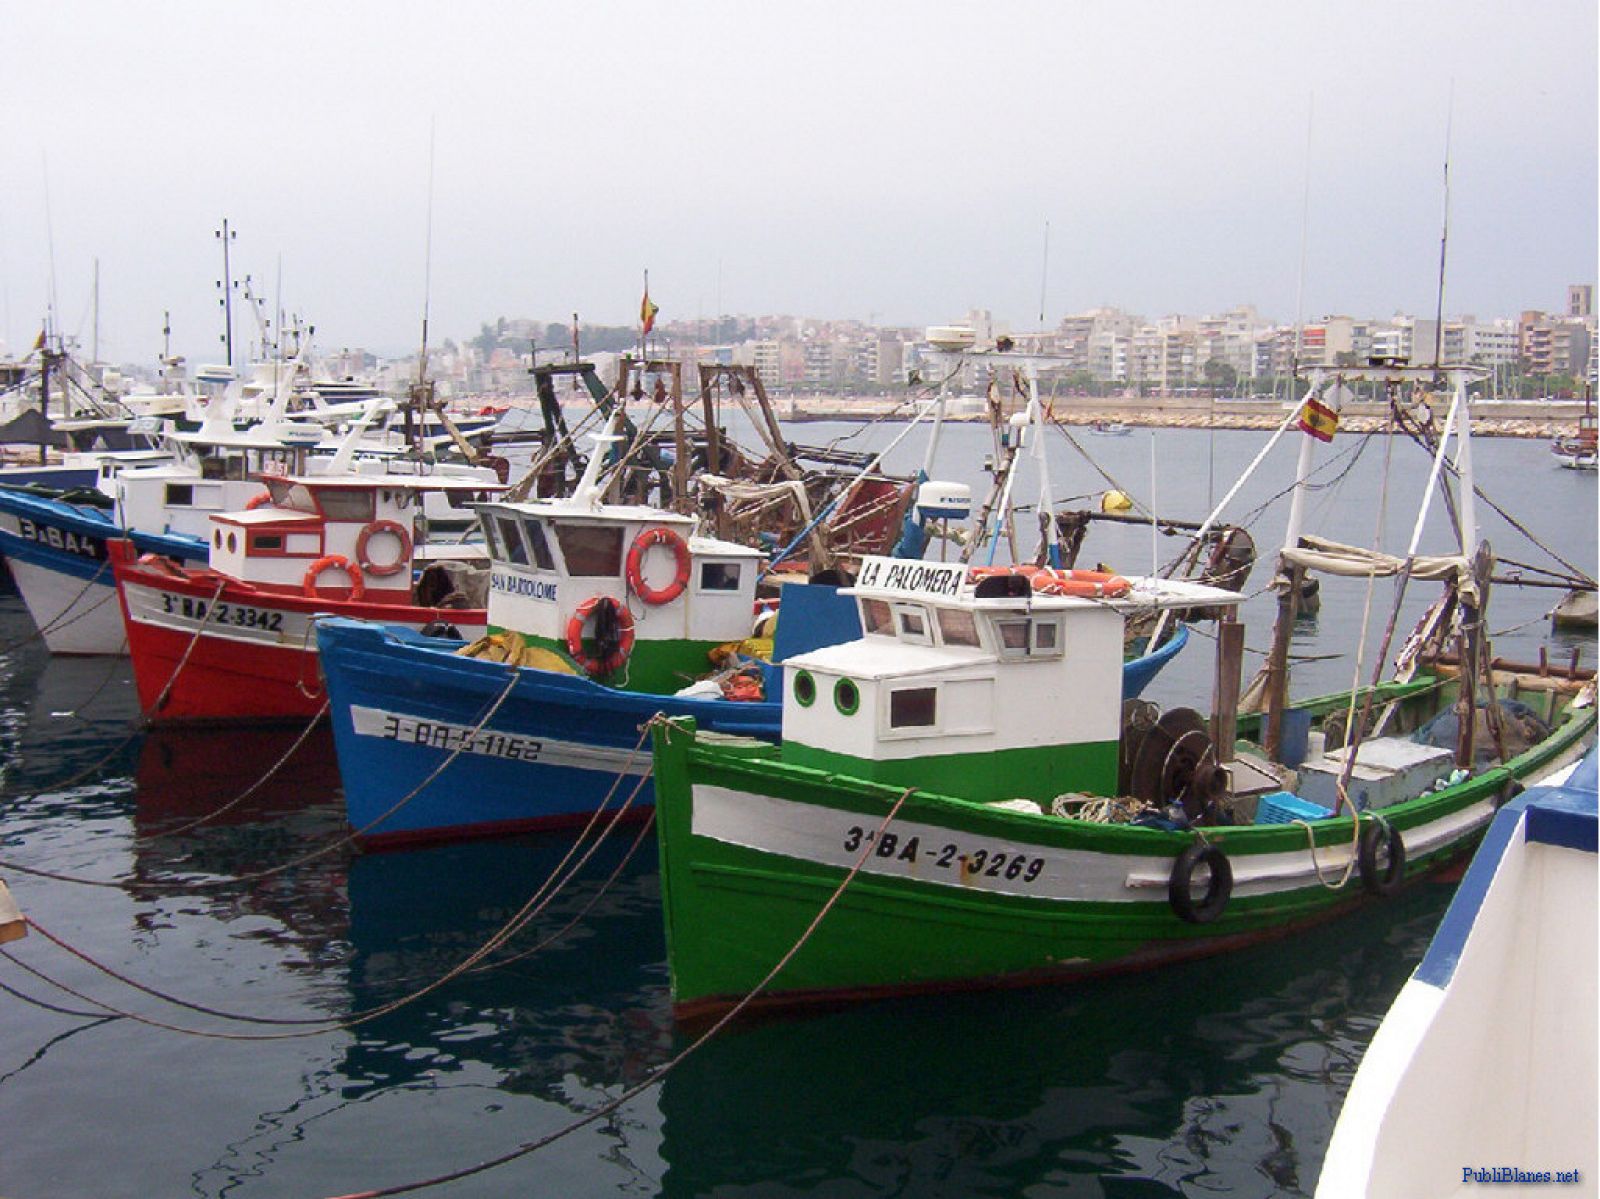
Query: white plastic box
x=1387, y=771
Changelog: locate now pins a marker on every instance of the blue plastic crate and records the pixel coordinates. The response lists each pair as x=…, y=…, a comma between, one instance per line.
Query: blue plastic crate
x=1284, y=807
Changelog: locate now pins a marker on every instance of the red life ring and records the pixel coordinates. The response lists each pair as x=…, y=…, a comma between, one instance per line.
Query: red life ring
x=333, y=562
x=660, y=535
x=402, y=559
x=595, y=667
x=257, y=501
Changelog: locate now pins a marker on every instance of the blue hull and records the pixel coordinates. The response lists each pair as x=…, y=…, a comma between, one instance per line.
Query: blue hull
x=556, y=748
x=420, y=762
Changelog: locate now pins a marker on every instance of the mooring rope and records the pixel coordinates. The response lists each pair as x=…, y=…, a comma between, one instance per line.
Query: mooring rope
x=533, y=907
x=660, y=1074
x=143, y=719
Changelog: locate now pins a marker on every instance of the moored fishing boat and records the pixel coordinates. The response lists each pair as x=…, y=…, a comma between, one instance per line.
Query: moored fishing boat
x=961, y=799
x=234, y=640
x=1483, y=1070
x=596, y=612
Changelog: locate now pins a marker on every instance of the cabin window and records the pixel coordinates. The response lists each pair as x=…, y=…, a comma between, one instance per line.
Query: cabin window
x=805, y=689
x=180, y=495
x=291, y=495
x=491, y=536
x=875, y=617
x=719, y=576
x=1034, y=638
x=339, y=503
x=912, y=625
x=268, y=542
x=846, y=697
x=957, y=627
x=591, y=550
x=511, y=541
x=542, y=557
x=1013, y=637
x=1046, y=637
x=913, y=707
x=233, y=542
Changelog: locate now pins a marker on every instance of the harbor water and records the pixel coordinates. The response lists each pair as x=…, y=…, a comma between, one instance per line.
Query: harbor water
x=1220, y=1077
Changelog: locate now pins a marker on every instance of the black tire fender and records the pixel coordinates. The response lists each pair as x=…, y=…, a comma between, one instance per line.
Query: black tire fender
x=1218, y=891
x=1382, y=837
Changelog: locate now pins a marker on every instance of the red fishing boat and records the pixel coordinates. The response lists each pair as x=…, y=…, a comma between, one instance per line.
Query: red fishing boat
x=236, y=640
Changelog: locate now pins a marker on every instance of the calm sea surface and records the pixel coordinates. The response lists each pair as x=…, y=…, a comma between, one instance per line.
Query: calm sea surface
x=1216, y=1078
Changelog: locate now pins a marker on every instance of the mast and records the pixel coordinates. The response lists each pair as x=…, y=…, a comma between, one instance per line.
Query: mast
x=226, y=236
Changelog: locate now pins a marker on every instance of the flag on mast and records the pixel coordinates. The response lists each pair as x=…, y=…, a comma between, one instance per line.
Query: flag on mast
x=648, y=309
x=1319, y=420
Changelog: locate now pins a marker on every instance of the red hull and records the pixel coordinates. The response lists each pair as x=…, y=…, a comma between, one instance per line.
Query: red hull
x=208, y=648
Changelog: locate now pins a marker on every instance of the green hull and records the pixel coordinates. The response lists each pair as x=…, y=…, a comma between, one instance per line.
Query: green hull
x=752, y=848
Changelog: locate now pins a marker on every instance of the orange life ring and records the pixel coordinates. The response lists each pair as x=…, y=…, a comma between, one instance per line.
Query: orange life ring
x=1085, y=584
x=596, y=667
x=333, y=562
x=660, y=535
x=257, y=500
x=402, y=560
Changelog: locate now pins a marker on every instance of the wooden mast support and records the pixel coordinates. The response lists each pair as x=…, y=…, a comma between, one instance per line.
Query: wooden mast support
x=1225, y=692
x=1278, y=660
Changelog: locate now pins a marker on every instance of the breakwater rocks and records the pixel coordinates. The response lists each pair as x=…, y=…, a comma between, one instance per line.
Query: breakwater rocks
x=1526, y=418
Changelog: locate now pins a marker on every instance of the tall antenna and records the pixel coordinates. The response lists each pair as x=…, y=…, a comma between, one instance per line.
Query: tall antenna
x=50, y=242
x=1044, y=274
x=1444, y=235
x=427, y=268
x=1305, y=225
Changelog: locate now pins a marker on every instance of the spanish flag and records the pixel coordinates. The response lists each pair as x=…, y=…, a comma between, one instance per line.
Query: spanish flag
x=648, y=310
x=1319, y=420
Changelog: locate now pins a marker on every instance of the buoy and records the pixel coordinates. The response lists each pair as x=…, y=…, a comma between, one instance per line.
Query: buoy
x=1115, y=501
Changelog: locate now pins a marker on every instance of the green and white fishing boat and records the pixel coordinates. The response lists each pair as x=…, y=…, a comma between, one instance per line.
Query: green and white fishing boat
x=961, y=797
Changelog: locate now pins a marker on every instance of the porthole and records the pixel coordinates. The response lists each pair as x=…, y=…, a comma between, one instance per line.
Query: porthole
x=805, y=689
x=846, y=697
x=233, y=542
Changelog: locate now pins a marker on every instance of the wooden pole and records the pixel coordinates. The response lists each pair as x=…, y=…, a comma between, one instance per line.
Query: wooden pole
x=1278, y=662
x=1225, y=692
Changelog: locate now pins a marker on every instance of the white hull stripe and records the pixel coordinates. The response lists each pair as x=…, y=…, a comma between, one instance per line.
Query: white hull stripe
x=249, y=623
x=494, y=743
x=934, y=854
x=924, y=852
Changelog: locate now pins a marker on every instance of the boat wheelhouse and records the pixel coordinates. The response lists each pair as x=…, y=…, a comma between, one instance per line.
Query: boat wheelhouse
x=234, y=640
x=961, y=797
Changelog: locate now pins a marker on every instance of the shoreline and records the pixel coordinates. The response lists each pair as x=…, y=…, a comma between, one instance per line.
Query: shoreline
x=1525, y=418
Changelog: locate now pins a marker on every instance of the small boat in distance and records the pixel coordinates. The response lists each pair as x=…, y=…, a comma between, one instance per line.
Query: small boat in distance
x=1580, y=450
x=1109, y=428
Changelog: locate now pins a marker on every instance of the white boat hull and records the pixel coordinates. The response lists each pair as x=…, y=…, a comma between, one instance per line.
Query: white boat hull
x=1483, y=1073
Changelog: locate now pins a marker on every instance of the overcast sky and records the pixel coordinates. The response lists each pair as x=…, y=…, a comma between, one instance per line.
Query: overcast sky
x=897, y=162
